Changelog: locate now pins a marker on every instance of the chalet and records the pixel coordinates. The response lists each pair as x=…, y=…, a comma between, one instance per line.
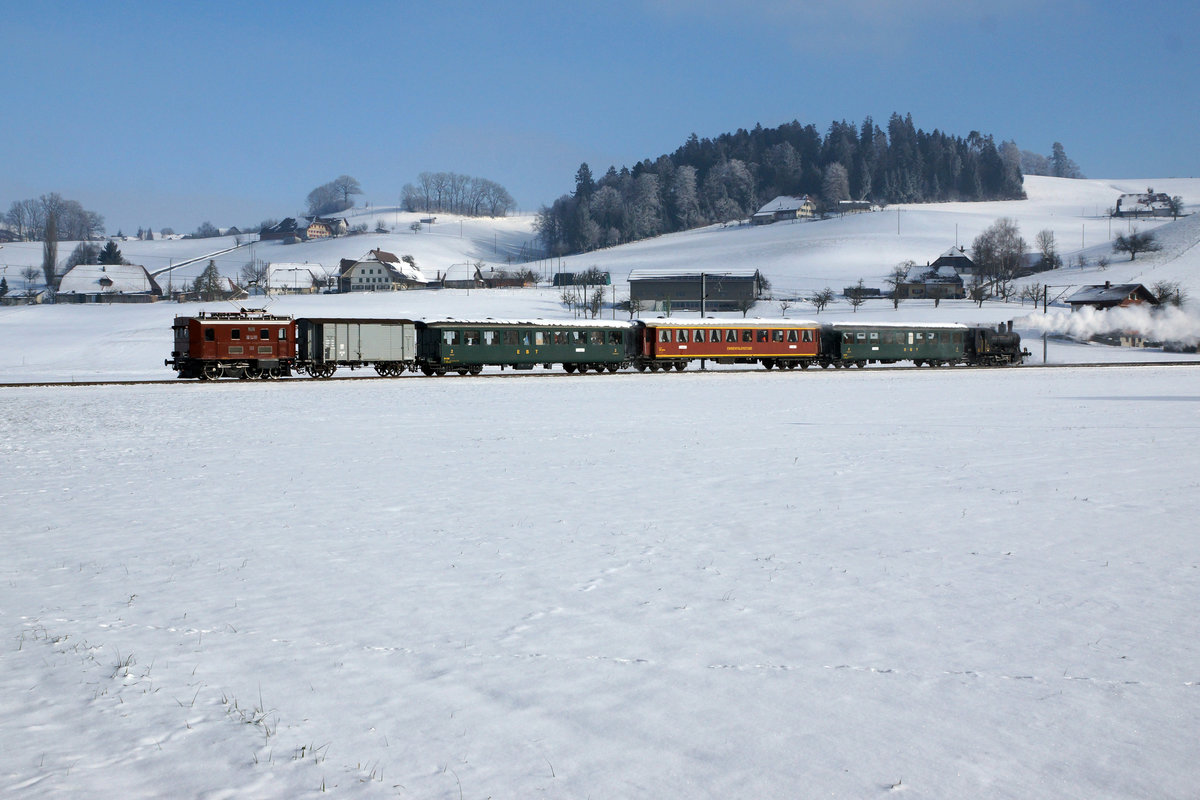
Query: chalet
x=379, y=271
x=325, y=227
x=463, y=276
x=108, y=283
x=784, y=207
x=723, y=290
x=1111, y=296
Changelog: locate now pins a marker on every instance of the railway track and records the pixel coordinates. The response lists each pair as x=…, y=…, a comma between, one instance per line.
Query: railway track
x=558, y=373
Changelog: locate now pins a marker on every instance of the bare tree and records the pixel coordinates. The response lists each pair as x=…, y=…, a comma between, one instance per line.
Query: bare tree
x=1170, y=293
x=897, y=277
x=1136, y=243
x=1048, y=248
x=784, y=305
x=857, y=295
x=822, y=298
x=50, y=252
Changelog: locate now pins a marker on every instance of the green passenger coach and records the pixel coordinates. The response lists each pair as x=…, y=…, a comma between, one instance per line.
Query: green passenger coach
x=935, y=344
x=467, y=346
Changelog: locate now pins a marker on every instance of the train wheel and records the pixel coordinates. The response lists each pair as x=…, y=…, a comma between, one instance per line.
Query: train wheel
x=768, y=363
x=427, y=371
x=568, y=368
x=253, y=373
x=680, y=366
x=612, y=367
x=917, y=362
x=860, y=364
x=475, y=369
x=211, y=372
x=641, y=366
x=805, y=364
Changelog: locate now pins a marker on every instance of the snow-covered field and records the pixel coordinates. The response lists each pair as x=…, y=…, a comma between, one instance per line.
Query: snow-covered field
x=947, y=583
x=950, y=583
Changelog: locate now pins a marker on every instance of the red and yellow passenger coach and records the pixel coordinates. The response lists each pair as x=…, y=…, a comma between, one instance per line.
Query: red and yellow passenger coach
x=784, y=343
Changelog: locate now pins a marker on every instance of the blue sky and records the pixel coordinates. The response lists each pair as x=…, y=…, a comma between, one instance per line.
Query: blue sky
x=169, y=114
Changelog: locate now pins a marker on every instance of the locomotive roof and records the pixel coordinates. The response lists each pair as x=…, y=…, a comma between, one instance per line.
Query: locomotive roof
x=532, y=323
x=710, y=322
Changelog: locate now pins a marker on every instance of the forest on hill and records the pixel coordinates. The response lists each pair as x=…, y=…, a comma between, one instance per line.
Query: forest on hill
x=730, y=177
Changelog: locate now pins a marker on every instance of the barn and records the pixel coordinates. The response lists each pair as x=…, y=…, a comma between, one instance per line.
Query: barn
x=727, y=290
x=108, y=283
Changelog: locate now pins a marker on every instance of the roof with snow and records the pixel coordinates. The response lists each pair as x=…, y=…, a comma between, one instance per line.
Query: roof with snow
x=1112, y=295
x=108, y=279
x=291, y=276
x=676, y=275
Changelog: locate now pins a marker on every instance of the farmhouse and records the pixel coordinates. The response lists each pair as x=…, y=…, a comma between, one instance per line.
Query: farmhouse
x=784, y=207
x=284, y=229
x=108, y=283
x=1146, y=204
x=325, y=227
x=1111, y=296
x=931, y=283
x=379, y=271
x=726, y=290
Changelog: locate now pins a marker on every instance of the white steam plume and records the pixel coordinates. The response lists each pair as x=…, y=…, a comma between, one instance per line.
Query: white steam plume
x=1161, y=324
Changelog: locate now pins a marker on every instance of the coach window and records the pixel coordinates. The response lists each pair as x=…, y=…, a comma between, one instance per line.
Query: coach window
x=210, y=335
x=578, y=338
x=808, y=335
x=235, y=333
x=681, y=335
x=874, y=337
x=930, y=336
x=791, y=334
x=490, y=338
x=451, y=337
x=763, y=335
x=510, y=338
x=282, y=334
x=595, y=337
x=731, y=335
x=614, y=337
x=776, y=336
x=861, y=336
x=698, y=336
x=471, y=337
x=747, y=336
x=664, y=335
x=560, y=337
x=539, y=338
x=847, y=337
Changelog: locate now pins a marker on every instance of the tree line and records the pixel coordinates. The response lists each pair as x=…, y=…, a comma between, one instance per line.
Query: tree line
x=727, y=178
x=29, y=219
x=451, y=193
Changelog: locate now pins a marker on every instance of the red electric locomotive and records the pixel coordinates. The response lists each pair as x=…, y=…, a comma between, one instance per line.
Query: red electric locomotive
x=236, y=344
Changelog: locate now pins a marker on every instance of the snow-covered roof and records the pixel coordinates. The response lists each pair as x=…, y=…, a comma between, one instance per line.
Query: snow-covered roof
x=1109, y=293
x=937, y=326
x=291, y=276
x=755, y=322
x=670, y=274
x=108, y=279
x=402, y=267
x=784, y=202
x=541, y=323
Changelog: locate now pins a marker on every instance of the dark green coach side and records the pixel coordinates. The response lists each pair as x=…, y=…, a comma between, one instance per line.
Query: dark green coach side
x=935, y=344
x=467, y=346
